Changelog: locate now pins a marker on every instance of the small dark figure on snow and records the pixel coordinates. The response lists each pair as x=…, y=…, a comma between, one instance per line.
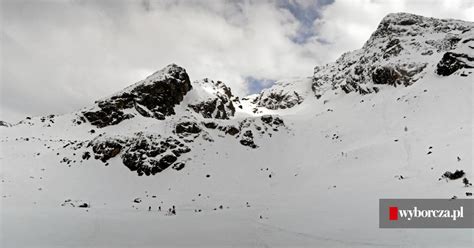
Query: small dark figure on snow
x=459, y=159
x=159, y=208
x=173, y=211
x=149, y=208
x=466, y=182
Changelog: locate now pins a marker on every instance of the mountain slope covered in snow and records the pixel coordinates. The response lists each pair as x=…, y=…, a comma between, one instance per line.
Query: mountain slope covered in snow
x=303, y=163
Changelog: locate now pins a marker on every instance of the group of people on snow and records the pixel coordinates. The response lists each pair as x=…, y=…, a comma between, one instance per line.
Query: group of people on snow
x=171, y=211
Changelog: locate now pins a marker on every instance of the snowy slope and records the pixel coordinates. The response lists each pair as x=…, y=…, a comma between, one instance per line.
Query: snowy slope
x=306, y=175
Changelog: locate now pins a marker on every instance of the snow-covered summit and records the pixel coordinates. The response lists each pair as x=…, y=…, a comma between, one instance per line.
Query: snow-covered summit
x=403, y=48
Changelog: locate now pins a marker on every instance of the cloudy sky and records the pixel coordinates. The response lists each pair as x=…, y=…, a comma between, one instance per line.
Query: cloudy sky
x=59, y=56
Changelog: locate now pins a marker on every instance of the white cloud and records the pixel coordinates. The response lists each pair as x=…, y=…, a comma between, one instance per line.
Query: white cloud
x=60, y=56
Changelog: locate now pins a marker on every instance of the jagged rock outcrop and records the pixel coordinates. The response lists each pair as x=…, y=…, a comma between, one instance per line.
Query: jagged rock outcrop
x=214, y=99
x=157, y=96
x=396, y=75
x=401, y=51
x=5, y=124
x=247, y=139
x=153, y=97
x=283, y=94
x=452, y=62
x=187, y=127
x=144, y=153
x=107, y=149
x=150, y=153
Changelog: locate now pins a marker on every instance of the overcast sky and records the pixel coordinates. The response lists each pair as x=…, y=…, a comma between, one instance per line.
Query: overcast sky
x=59, y=56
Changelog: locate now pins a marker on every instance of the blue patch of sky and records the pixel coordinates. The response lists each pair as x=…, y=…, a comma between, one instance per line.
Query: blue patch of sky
x=306, y=15
x=256, y=85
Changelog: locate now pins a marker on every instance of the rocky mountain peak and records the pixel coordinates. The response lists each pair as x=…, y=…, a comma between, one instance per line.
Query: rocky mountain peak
x=410, y=25
x=402, y=50
x=173, y=71
x=153, y=97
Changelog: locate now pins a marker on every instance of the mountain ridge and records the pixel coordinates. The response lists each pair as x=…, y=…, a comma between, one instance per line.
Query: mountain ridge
x=402, y=50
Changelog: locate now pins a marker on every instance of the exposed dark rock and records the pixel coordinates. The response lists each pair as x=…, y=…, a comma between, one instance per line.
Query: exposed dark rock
x=451, y=62
x=84, y=205
x=187, y=127
x=353, y=85
x=272, y=120
x=408, y=21
x=75, y=203
x=154, y=97
x=219, y=106
x=279, y=96
x=5, y=124
x=232, y=130
x=267, y=119
x=215, y=108
x=86, y=155
x=178, y=166
x=397, y=75
x=453, y=176
x=144, y=153
x=107, y=149
x=387, y=75
x=247, y=139
x=160, y=165
x=427, y=53
x=211, y=125
x=393, y=48
x=278, y=121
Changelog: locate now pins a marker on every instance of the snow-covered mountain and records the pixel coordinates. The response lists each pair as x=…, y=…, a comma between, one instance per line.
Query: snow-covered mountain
x=303, y=163
x=403, y=49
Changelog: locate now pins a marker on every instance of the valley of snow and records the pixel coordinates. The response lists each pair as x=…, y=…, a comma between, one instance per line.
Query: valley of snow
x=315, y=181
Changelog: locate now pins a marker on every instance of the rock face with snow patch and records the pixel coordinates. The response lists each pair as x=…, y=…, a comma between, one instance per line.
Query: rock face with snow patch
x=452, y=62
x=283, y=94
x=147, y=154
x=167, y=92
x=153, y=97
x=217, y=102
x=402, y=49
